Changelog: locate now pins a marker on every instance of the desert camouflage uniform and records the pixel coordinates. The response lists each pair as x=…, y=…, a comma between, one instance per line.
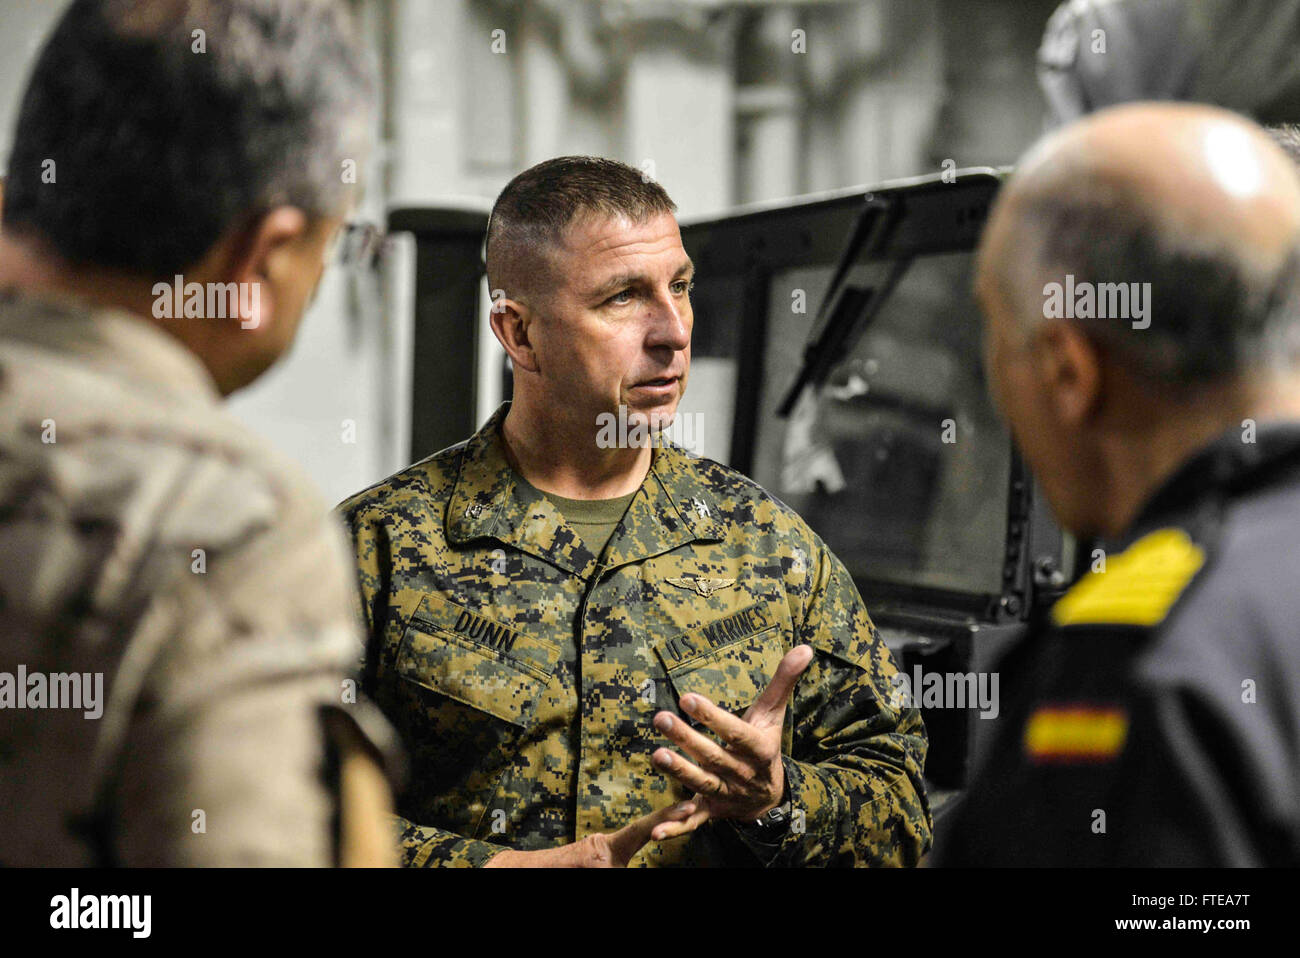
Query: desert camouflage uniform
x=116, y=464
x=523, y=672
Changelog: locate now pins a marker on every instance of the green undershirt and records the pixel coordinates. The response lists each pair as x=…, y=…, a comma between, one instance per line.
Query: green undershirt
x=593, y=519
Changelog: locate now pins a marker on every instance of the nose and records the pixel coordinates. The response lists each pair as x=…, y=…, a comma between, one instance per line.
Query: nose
x=669, y=323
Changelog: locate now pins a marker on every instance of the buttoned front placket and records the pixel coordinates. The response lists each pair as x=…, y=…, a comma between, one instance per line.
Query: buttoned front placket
x=616, y=782
x=613, y=779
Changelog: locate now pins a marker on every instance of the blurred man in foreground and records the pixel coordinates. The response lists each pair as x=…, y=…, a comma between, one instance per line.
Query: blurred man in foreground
x=173, y=597
x=1139, y=280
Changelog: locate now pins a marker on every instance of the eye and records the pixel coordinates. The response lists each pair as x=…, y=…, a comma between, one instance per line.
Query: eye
x=683, y=286
x=621, y=298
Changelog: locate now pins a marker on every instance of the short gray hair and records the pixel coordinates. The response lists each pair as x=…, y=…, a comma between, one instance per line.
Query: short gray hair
x=1287, y=136
x=1214, y=312
x=171, y=121
x=537, y=205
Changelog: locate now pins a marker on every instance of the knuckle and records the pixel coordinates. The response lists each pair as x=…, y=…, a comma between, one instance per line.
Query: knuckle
x=715, y=763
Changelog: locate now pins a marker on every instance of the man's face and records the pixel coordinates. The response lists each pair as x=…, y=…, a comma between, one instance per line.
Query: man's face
x=615, y=328
x=291, y=279
x=1014, y=366
x=295, y=286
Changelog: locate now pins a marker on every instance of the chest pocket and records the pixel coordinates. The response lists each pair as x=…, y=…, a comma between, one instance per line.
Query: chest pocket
x=475, y=660
x=730, y=661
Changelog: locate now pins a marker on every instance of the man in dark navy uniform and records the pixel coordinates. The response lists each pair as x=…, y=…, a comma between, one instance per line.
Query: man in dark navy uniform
x=1140, y=284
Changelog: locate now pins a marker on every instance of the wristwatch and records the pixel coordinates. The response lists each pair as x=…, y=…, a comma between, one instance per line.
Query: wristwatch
x=773, y=824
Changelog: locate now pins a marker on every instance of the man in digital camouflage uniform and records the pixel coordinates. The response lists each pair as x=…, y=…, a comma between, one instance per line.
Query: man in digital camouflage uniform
x=1150, y=717
x=551, y=614
x=189, y=580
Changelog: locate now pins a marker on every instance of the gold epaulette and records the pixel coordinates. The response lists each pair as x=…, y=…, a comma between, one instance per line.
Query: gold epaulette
x=1138, y=586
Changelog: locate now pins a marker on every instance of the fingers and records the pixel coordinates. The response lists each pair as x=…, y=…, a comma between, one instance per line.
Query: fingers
x=770, y=708
x=627, y=841
x=737, y=734
x=689, y=774
x=673, y=829
x=733, y=777
x=709, y=754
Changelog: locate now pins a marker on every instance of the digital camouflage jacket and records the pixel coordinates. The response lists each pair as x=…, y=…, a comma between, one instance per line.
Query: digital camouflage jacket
x=523, y=671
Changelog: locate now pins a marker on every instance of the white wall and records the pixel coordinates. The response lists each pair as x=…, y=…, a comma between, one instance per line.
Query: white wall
x=23, y=25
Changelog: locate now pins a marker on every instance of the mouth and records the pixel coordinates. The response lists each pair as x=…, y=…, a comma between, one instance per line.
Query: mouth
x=659, y=390
x=662, y=382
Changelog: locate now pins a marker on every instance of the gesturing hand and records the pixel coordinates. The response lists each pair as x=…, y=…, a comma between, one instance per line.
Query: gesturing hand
x=613, y=850
x=744, y=778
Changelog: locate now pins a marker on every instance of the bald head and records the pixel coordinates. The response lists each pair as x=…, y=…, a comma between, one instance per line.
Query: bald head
x=1140, y=282
x=1193, y=200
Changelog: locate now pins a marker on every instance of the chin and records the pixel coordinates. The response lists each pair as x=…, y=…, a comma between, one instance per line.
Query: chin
x=250, y=371
x=658, y=417
x=1073, y=513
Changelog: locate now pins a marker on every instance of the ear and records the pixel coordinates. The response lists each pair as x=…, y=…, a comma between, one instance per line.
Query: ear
x=512, y=324
x=1069, y=363
x=262, y=255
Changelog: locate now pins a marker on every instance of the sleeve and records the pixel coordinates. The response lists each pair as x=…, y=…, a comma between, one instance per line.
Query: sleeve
x=371, y=564
x=225, y=751
x=1188, y=784
x=421, y=846
x=1193, y=783
x=854, y=770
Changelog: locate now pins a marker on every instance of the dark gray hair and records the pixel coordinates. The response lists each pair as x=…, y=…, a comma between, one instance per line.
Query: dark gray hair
x=535, y=207
x=1214, y=312
x=163, y=138
x=1287, y=136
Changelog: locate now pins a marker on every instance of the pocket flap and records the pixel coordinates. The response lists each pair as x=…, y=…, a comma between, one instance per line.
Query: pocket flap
x=476, y=661
x=730, y=661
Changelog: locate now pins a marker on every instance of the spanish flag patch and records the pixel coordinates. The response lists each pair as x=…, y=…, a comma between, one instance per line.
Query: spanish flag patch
x=1075, y=733
x=1139, y=586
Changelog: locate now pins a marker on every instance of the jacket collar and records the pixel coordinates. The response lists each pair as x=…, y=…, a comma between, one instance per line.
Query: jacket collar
x=1228, y=466
x=674, y=506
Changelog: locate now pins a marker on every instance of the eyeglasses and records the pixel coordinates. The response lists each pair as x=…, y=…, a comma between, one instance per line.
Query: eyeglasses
x=356, y=244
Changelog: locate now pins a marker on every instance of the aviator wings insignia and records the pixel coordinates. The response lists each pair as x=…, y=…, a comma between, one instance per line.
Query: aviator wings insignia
x=705, y=587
